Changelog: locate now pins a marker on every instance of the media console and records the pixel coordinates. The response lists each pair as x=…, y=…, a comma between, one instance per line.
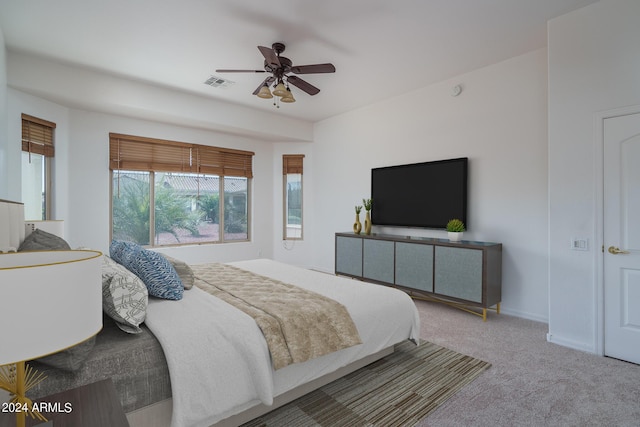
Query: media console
x=466, y=275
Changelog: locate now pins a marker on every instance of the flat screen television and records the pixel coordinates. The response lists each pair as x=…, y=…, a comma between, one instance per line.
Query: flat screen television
x=425, y=195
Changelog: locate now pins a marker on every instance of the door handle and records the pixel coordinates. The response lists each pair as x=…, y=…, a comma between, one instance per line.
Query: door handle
x=615, y=250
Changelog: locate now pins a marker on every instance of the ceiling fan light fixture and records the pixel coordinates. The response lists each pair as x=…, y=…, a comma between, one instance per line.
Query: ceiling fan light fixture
x=264, y=92
x=288, y=97
x=280, y=90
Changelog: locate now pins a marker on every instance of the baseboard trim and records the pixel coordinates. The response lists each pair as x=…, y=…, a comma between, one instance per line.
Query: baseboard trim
x=555, y=339
x=523, y=314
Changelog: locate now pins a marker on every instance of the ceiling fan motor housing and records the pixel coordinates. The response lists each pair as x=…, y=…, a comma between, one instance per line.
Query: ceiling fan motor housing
x=284, y=68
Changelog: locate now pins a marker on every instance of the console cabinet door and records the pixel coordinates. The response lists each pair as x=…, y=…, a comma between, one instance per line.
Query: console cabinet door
x=378, y=262
x=458, y=273
x=349, y=256
x=414, y=266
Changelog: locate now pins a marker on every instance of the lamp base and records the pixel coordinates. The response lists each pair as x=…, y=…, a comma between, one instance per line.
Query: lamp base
x=17, y=379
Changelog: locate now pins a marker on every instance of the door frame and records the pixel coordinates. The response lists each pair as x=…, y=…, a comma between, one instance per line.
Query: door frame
x=599, y=118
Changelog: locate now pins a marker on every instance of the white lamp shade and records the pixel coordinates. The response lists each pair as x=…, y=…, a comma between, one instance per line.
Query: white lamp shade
x=49, y=301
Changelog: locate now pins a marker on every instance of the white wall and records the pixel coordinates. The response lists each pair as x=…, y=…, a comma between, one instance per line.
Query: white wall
x=4, y=173
x=499, y=122
x=594, y=66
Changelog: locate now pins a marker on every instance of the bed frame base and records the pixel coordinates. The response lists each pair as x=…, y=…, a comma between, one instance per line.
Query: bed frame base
x=159, y=414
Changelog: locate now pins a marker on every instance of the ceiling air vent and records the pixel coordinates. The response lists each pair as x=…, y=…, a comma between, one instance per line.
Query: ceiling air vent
x=215, y=81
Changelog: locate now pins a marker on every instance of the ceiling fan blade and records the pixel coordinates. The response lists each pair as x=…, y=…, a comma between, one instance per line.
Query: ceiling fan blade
x=301, y=84
x=266, y=81
x=270, y=55
x=312, y=69
x=240, y=71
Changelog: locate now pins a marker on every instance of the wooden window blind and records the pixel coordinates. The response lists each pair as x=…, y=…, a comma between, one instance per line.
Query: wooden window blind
x=37, y=136
x=292, y=163
x=137, y=153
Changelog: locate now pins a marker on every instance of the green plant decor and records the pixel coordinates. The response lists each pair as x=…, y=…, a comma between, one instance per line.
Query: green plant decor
x=455, y=226
x=367, y=204
x=358, y=209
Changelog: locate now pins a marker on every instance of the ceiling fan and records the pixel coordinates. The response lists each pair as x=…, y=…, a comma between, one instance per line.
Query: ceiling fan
x=280, y=67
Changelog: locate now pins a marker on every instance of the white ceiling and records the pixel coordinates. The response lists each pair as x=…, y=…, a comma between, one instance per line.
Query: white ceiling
x=380, y=48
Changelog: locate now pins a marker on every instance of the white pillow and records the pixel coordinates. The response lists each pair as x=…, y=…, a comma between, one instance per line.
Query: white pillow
x=124, y=296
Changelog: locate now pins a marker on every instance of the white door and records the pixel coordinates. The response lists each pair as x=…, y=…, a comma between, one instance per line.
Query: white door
x=622, y=237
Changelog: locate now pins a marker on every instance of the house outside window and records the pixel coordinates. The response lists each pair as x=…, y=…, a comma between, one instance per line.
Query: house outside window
x=292, y=196
x=163, y=200
x=37, y=154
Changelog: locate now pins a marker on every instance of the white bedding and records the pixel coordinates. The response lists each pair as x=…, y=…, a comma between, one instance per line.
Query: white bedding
x=219, y=361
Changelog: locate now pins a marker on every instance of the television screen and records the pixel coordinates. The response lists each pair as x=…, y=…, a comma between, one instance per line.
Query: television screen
x=421, y=194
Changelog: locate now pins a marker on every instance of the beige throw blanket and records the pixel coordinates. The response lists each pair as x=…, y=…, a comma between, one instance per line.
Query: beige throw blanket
x=298, y=324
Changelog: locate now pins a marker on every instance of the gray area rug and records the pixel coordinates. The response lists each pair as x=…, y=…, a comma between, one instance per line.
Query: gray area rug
x=398, y=390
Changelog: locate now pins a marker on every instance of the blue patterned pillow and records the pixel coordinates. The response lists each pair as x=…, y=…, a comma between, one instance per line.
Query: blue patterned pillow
x=159, y=276
x=124, y=252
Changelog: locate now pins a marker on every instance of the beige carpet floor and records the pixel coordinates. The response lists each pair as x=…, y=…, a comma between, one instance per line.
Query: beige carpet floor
x=531, y=381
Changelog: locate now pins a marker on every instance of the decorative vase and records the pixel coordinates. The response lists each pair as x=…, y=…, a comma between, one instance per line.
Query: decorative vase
x=454, y=236
x=357, y=226
x=367, y=223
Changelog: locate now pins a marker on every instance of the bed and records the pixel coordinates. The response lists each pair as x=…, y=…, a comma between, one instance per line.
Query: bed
x=199, y=361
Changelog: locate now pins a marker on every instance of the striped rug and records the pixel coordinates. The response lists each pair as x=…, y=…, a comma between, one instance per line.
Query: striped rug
x=398, y=390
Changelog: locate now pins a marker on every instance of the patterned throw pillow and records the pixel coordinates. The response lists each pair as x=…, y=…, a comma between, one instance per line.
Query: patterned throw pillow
x=153, y=269
x=124, y=296
x=123, y=252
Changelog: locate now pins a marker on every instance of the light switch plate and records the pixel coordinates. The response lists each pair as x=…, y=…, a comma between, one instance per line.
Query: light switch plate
x=580, y=244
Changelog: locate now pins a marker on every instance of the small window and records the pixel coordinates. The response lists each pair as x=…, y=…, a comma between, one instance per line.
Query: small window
x=292, y=195
x=37, y=155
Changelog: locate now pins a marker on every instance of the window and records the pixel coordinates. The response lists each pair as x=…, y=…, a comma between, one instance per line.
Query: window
x=37, y=152
x=171, y=193
x=292, y=181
